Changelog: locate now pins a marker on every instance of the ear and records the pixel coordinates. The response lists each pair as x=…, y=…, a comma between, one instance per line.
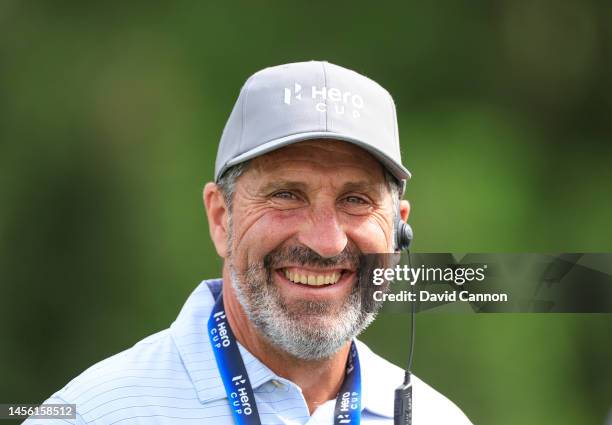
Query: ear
x=216, y=211
x=404, y=209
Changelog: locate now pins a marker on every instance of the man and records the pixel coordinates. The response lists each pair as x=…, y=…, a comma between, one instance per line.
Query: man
x=308, y=177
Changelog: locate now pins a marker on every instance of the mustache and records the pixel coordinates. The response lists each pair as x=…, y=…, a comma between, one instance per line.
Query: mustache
x=306, y=257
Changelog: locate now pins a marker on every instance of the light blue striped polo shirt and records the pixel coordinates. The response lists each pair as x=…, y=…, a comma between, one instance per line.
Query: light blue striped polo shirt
x=171, y=377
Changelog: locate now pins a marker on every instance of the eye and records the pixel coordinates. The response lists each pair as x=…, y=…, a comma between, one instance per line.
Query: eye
x=355, y=200
x=286, y=195
x=355, y=204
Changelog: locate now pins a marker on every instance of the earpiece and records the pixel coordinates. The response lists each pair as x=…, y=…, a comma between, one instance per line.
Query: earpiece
x=403, y=235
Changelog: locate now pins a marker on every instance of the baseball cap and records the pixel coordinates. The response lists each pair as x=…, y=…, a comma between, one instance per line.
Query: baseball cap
x=287, y=104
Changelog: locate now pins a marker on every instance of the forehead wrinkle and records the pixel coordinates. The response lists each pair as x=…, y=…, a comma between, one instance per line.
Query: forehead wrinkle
x=332, y=171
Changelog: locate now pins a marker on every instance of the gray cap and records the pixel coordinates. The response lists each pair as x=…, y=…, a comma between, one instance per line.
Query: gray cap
x=286, y=104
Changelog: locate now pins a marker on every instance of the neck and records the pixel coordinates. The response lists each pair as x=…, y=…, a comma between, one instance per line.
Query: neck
x=320, y=380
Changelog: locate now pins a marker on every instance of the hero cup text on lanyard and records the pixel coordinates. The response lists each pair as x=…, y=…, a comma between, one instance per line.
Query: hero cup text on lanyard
x=238, y=386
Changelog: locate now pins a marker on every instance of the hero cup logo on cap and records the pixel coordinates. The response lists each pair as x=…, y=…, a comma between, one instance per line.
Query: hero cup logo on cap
x=340, y=99
x=287, y=104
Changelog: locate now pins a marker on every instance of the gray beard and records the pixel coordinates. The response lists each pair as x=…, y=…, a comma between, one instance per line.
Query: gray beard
x=306, y=330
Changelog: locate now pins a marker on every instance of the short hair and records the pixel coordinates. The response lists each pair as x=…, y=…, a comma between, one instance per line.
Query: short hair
x=227, y=182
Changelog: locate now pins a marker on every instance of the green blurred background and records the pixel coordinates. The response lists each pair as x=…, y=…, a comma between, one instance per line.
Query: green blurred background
x=110, y=116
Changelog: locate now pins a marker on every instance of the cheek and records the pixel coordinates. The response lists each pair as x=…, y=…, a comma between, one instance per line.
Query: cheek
x=371, y=236
x=263, y=234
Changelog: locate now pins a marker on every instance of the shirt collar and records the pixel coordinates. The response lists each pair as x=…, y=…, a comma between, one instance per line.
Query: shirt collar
x=379, y=378
x=190, y=335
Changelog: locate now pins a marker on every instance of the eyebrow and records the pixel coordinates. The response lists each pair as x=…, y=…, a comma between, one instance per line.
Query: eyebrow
x=361, y=186
x=351, y=186
x=281, y=184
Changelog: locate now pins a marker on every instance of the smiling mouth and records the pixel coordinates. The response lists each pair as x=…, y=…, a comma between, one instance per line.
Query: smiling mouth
x=313, y=278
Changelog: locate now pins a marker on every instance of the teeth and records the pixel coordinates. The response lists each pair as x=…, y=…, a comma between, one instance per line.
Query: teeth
x=313, y=280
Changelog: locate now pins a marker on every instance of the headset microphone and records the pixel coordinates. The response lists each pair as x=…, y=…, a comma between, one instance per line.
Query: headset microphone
x=402, y=409
x=403, y=235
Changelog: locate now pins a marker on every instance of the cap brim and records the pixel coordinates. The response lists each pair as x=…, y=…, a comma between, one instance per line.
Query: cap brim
x=397, y=170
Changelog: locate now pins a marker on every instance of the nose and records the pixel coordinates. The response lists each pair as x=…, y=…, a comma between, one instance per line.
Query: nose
x=323, y=233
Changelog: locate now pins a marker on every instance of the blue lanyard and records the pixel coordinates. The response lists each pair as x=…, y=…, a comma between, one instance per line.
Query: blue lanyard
x=238, y=386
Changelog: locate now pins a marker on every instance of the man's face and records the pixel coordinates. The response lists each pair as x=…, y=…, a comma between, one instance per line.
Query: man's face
x=301, y=217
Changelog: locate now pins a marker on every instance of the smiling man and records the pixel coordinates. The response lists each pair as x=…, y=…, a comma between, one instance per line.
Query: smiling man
x=308, y=178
